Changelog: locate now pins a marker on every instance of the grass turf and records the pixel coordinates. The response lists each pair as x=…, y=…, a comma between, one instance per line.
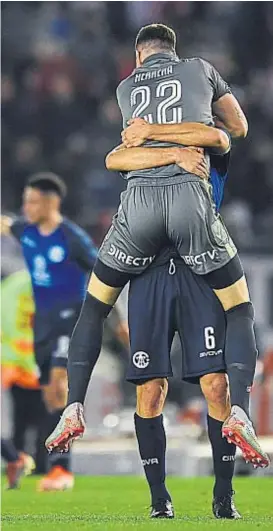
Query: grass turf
x=121, y=504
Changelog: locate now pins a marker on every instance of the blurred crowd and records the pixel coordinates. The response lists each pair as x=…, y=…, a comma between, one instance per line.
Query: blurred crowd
x=61, y=63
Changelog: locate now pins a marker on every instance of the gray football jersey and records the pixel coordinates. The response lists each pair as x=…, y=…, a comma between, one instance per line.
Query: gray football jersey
x=166, y=89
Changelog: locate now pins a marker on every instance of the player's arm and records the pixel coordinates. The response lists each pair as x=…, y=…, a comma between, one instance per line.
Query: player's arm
x=224, y=105
x=230, y=116
x=81, y=247
x=143, y=158
x=14, y=227
x=139, y=158
x=6, y=224
x=187, y=134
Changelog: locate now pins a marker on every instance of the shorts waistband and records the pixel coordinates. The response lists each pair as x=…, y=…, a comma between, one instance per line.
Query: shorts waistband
x=172, y=262
x=163, y=181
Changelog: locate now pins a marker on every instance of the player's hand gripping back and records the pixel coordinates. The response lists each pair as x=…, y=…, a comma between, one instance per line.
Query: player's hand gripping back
x=136, y=133
x=193, y=161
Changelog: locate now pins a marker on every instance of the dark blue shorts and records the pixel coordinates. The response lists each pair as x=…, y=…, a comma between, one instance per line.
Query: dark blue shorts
x=166, y=299
x=52, y=340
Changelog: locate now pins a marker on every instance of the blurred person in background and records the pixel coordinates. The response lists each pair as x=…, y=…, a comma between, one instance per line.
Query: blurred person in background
x=59, y=256
x=18, y=463
x=19, y=372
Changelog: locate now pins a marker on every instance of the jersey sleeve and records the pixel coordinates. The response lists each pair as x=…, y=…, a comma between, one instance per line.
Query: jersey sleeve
x=220, y=163
x=118, y=94
x=220, y=87
x=17, y=228
x=123, y=99
x=81, y=247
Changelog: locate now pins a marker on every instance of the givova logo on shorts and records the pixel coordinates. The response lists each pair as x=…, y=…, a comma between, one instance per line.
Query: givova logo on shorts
x=128, y=259
x=210, y=343
x=141, y=359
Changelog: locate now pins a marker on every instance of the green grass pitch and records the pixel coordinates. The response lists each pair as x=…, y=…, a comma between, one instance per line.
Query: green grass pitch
x=121, y=504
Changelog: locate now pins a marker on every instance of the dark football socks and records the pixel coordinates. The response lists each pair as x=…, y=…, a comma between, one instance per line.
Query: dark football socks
x=240, y=353
x=85, y=346
x=8, y=451
x=223, y=458
x=151, y=438
x=56, y=458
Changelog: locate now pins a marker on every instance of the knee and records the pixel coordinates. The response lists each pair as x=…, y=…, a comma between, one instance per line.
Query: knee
x=216, y=392
x=151, y=397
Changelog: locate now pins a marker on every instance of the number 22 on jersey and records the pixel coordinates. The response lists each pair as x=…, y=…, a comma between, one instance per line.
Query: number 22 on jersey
x=167, y=95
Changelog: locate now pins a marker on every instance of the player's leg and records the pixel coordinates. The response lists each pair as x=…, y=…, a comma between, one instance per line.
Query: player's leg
x=150, y=311
x=84, y=350
x=151, y=438
x=43, y=353
x=216, y=392
x=8, y=451
x=52, y=360
x=20, y=405
x=18, y=463
x=202, y=327
x=229, y=285
x=205, y=245
x=122, y=254
x=59, y=476
x=86, y=340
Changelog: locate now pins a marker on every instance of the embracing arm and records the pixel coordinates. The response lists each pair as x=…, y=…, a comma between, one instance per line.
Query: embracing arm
x=187, y=134
x=143, y=158
x=230, y=115
x=190, y=134
x=139, y=158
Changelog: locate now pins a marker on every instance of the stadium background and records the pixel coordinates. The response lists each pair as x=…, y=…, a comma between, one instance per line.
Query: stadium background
x=61, y=63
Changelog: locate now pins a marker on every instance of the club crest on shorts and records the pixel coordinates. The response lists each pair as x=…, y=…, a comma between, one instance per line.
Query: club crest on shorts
x=141, y=359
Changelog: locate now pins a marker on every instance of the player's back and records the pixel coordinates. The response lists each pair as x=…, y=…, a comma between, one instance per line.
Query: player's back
x=166, y=89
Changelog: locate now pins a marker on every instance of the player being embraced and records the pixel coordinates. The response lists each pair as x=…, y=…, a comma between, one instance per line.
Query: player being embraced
x=167, y=298
x=59, y=255
x=168, y=205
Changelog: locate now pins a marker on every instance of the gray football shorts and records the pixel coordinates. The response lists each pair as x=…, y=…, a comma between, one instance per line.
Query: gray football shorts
x=151, y=216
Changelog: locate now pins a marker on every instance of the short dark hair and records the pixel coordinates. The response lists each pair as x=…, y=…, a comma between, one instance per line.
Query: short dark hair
x=164, y=36
x=48, y=183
